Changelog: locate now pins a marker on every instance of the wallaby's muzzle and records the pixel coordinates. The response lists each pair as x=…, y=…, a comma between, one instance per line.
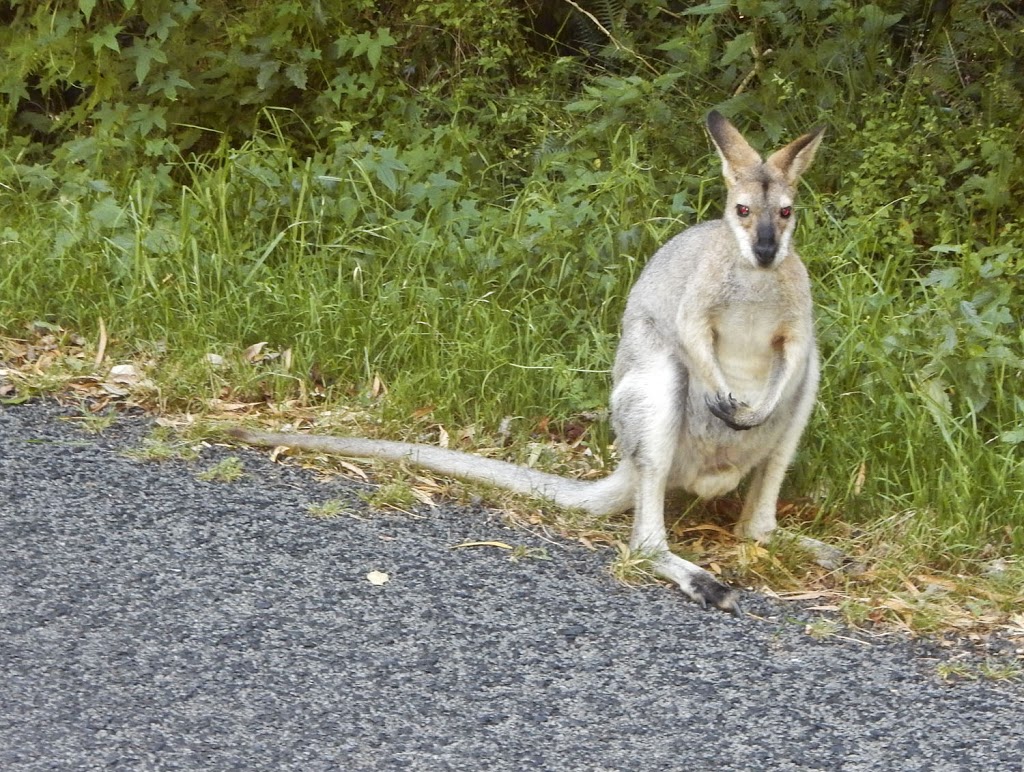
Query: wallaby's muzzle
x=766, y=246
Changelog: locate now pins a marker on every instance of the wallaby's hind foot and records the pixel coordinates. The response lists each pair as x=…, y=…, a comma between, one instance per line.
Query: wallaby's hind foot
x=696, y=583
x=824, y=555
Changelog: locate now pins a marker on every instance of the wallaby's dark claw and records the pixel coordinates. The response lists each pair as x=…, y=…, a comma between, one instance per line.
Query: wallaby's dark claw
x=725, y=409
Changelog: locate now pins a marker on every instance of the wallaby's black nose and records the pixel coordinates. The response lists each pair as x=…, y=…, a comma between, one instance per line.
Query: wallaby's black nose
x=764, y=251
x=765, y=247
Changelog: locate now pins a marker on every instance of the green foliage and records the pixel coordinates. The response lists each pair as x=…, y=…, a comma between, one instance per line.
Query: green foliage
x=160, y=77
x=454, y=197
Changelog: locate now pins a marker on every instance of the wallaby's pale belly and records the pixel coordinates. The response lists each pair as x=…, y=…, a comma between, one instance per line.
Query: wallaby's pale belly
x=711, y=458
x=709, y=468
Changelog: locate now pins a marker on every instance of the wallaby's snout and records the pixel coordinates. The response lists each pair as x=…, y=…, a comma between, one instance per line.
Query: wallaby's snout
x=766, y=246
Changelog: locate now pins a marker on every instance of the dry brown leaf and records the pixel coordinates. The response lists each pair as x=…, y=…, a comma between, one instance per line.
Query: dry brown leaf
x=895, y=604
x=428, y=483
x=101, y=348
x=796, y=595
x=860, y=478
x=912, y=588
x=235, y=407
x=424, y=497
x=499, y=544
x=936, y=580
x=354, y=470
x=113, y=390
x=707, y=527
x=252, y=354
x=127, y=374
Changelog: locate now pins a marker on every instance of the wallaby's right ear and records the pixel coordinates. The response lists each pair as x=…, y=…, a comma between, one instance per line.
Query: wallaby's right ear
x=735, y=152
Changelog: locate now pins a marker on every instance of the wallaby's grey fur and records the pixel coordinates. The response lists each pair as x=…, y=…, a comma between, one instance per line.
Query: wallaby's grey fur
x=715, y=376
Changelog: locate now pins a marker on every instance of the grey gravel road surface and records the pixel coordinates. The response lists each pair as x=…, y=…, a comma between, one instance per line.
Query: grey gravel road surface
x=153, y=621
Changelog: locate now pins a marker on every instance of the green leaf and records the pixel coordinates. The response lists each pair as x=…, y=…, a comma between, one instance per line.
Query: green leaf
x=737, y=47
x=582, y=106
x=86, y=7
x=708, y=9
x=876, y=21
x=106, y=213
x=169, y=83
x=267, y=71
x=384, y=166
x=106, y=39
x=296, y=74
x=146, y=118
x=946, y=278
x=144, y=57
x=1012, y=437
x=372, y=46
x=162, y=27
x=15, y=91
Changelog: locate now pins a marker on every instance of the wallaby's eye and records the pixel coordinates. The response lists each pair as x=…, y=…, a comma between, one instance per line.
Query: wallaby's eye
x=785, y=212
x=742, y=211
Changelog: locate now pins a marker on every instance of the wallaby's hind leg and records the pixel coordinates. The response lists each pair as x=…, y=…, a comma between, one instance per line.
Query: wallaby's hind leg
x=649, y=535
x=757, y=520
x=649, y=422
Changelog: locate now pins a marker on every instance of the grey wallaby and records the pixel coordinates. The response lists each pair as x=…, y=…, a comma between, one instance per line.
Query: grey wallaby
x=715, y=375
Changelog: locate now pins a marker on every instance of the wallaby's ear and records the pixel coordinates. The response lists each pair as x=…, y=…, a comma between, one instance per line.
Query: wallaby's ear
x=735, y=152
x=794, y=159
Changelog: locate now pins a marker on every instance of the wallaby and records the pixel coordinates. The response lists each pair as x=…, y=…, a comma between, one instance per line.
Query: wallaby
x=715, y=375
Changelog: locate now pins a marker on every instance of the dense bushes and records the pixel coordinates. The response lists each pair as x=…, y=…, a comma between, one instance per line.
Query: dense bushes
x=924, y=97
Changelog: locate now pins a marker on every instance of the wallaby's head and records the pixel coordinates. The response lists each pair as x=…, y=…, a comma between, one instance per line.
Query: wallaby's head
x=759, y=207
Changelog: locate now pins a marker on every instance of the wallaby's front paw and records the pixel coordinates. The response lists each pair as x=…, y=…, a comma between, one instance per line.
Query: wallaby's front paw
x=734, y=413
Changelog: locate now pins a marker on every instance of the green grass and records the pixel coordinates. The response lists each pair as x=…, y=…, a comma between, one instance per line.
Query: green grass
x=326, y=510
x=893, y=432
x=472, y=306
x=227, y=470
x=163, y=444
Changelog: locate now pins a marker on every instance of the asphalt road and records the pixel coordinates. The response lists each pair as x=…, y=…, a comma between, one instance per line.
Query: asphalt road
x=153, y=621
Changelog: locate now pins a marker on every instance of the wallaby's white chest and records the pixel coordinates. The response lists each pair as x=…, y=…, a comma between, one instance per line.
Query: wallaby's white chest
x=747, y=338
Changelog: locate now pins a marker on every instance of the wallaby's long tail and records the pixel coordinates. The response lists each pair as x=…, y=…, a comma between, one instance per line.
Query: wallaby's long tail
x=607, y=496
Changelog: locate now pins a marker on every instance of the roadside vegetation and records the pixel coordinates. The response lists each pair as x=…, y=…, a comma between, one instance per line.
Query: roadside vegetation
x=421, y=221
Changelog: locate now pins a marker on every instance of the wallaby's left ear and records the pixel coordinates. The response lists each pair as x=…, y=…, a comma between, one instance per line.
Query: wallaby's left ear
x=794, y=159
